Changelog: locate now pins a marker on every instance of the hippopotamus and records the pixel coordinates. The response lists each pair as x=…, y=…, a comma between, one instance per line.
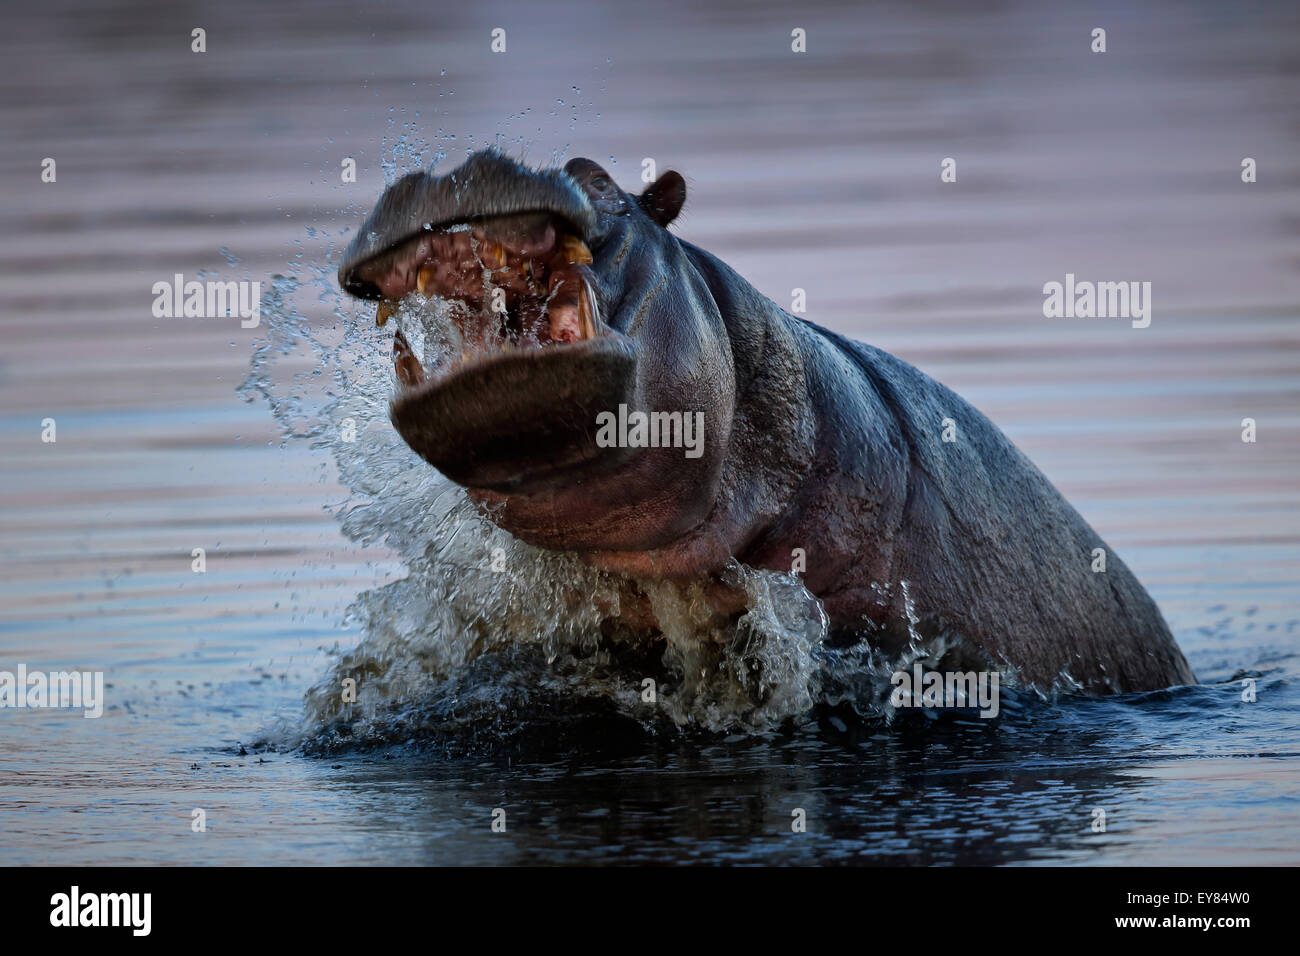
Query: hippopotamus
x=902, y=507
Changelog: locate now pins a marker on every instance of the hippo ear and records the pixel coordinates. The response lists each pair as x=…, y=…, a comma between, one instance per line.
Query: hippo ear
x=664, y=198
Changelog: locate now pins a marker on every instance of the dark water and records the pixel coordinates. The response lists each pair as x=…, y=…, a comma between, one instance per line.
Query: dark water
x=818, y=172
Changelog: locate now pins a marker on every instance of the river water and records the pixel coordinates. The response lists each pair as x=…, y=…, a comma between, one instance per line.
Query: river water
x=817, y=171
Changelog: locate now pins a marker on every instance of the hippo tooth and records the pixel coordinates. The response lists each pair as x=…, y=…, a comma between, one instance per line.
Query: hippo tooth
x=587, y=313
x=387, y=307
x=425, y=276
x=409, y=370
x=575, y=250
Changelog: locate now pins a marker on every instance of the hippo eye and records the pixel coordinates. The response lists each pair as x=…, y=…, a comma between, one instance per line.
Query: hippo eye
x=600, y=182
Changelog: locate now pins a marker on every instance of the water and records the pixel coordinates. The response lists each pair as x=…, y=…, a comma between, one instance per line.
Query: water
x=327, y=558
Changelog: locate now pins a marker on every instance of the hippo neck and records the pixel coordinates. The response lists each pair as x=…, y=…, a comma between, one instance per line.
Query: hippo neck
x=804, y=411
x=775, y=427
x=754, y=322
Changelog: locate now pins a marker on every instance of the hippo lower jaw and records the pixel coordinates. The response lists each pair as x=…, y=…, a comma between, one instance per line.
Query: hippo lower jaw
x=522, y=418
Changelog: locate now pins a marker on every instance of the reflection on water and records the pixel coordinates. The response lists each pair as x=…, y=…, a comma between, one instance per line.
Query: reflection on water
x=819, y=173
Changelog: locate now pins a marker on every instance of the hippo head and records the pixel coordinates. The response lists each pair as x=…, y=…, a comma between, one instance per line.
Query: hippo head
x=574, y=309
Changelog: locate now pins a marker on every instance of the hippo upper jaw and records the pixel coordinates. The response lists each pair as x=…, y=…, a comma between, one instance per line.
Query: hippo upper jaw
x=486, y=186
x=508, y=243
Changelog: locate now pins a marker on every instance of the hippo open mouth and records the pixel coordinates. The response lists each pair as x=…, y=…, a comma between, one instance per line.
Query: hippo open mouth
x=502, y=251
x=516, y=281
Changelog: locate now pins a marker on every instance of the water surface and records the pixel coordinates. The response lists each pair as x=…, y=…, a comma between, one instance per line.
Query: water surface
x=818, y=172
